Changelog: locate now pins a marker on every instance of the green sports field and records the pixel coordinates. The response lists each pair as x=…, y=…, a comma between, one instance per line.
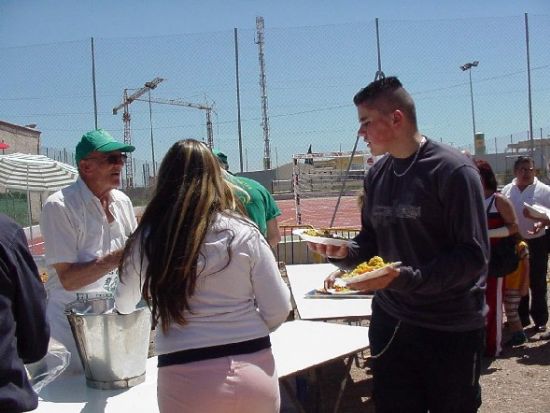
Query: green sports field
x=14, y=205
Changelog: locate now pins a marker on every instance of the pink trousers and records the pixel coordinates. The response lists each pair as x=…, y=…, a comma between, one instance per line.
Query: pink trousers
x=233, y=384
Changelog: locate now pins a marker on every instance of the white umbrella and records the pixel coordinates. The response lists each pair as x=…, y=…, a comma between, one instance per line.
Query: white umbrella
x=34, y=173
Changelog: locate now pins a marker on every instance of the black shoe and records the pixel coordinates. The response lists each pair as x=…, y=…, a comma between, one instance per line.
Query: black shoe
x=518, y=338
x=540, y=328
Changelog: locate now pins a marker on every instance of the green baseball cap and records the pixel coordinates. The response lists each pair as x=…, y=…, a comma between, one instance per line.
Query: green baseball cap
x=221, y=156
x=101, y=141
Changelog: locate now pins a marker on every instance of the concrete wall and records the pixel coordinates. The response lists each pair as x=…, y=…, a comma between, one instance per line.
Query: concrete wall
x=20, y=138
x=26, y=140
x=503, y=164
x=264, y=177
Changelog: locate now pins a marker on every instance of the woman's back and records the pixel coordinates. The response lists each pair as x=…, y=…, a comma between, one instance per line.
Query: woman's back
x=228, y=288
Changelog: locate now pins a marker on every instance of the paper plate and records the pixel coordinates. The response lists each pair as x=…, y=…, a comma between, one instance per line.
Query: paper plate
x=372, y=274
x=342, y=292
x=537, y=211
x=330, y=293
x=321, y=240
x=334, y=292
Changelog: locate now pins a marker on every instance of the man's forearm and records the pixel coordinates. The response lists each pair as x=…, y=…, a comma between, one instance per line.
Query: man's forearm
x=74, y=276
x=273, y=233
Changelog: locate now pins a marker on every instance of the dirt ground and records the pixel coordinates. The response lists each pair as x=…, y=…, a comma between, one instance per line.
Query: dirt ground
x=518, y=381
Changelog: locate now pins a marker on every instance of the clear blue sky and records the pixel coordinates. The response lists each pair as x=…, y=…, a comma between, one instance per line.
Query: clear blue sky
x=32, y=91
x=24, y=22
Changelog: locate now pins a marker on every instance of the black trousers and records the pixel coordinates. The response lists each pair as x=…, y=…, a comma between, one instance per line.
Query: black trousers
x=422, y=369
x=538, y=262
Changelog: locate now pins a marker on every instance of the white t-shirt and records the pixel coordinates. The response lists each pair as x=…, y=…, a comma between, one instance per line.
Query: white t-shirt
x=536, y=193
x=243, y=301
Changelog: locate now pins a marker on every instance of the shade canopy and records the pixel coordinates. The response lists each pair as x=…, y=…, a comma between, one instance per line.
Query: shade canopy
x=34, y=173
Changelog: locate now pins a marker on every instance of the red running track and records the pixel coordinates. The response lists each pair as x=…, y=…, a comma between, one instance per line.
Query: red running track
x=315, y=211
x=318, y=212
x=37, y=246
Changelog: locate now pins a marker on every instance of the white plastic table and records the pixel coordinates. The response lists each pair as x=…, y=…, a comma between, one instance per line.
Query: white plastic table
x=297, y=346
x=70, y=394
x=304, y=278
x=302, y=345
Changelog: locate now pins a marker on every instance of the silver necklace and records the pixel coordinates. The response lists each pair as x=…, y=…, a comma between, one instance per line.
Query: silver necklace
x=399, y=175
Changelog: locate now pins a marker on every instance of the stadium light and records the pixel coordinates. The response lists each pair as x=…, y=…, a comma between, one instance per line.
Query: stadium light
x=468, y=67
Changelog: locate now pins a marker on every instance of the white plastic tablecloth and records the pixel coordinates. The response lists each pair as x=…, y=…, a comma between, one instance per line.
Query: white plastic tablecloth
x=297, y=346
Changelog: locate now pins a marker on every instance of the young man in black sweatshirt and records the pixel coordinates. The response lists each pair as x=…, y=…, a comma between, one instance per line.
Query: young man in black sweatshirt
x=423, y=207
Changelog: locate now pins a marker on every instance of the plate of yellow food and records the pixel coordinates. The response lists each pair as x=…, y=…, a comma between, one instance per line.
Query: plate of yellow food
x=321, y=236
x=373, y=268
x=340, y=287
x=339, y=290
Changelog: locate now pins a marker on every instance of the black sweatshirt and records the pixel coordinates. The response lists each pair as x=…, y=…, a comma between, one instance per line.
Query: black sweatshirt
x=24, y=331
x=433, y=220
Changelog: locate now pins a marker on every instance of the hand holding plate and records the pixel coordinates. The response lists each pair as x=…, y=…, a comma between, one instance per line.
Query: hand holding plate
x=376, y=283
x=329, y=281
x=537, y=227
x=329, y=251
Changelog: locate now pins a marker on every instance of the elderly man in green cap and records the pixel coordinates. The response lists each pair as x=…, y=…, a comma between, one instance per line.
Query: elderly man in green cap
x=85, y=227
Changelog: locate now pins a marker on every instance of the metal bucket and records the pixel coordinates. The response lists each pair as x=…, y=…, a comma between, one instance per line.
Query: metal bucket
x=112, y=347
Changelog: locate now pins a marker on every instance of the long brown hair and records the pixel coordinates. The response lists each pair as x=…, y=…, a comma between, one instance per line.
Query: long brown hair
x=189, y=192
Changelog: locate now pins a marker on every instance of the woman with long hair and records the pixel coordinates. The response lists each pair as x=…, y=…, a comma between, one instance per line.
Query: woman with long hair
x=213, y=286
x=502, y=222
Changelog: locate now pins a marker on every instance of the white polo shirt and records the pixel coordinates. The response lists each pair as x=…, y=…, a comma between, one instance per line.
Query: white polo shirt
x=76, y=229
x=536, y=193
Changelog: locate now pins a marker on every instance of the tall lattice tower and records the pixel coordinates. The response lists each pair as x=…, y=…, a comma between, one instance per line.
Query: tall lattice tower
x=128, y=141
x=263, y=88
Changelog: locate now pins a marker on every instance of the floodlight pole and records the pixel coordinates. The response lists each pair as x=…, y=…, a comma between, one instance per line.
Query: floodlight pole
x=468, y=67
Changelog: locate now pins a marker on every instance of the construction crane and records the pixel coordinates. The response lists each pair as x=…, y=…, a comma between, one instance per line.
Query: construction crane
x=126, y=100
x=207, y=108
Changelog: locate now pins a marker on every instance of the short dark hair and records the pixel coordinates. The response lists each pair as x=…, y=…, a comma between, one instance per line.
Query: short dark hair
x=488, y=177
x=523, y=159
x=387, y=94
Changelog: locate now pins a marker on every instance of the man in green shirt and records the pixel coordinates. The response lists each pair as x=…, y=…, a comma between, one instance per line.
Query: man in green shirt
x=260, y=205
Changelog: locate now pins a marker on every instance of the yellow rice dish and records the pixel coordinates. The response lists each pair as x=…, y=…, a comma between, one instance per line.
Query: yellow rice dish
x=373, y=264
x=322, y=233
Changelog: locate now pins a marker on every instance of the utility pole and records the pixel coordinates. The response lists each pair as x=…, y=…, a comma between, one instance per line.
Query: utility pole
x=93, y=83
x=263, y=87
x=126, y=100
x=529, y=86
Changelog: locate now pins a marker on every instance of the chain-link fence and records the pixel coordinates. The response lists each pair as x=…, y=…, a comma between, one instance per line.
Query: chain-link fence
x=14, y=204
x=312, y=74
